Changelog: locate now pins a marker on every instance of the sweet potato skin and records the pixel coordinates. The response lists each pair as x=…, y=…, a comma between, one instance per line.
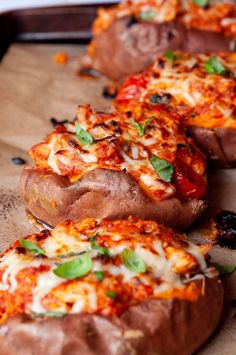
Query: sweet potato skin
x=218, y=144
x=128, y=47
x=100, y=194
x=156, y=326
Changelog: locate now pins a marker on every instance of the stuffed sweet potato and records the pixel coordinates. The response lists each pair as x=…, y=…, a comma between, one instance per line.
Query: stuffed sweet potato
x=129, y=36
x=111, y=288
x=115, y=165
x=201, y=88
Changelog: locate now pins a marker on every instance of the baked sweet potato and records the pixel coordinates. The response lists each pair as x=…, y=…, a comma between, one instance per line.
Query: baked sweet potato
x=128, y=47
x=129, y=36
x=103, y=194
x=201, y=88
x=219, y=144
x=142, y=165
x=163, y=326
x=118, y=306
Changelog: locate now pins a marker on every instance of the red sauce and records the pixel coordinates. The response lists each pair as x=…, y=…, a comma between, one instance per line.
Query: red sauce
x=187, y=182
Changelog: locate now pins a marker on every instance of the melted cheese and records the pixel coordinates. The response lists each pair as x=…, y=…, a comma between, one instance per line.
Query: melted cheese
x=161, y=11
x=217, y=17
x=45, y=283
x=202, y=99
x=118, y=145
x=169, y=260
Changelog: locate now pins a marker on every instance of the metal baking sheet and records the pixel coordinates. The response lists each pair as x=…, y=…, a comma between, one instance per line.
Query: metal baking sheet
x=12, y=5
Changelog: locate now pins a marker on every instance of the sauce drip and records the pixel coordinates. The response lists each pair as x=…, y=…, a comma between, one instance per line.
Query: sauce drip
x=225, y=223
x=109, y=91
x=55, y=122
x=88, y=73
x=38, y=223
x=18, y=161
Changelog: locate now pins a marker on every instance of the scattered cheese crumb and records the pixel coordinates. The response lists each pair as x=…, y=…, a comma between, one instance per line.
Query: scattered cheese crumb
x=61, y=58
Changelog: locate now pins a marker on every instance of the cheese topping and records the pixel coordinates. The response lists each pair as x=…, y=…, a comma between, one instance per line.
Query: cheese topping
x=28, y=283
x=215, y=17
x=152, y=10
x=203, y=99
x=118, y=145
x=218, y=16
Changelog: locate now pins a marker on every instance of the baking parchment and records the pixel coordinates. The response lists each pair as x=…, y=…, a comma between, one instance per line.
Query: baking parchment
x=33, y=88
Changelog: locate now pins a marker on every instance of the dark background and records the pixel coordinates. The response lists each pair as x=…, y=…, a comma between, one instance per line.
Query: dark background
x=47, y=25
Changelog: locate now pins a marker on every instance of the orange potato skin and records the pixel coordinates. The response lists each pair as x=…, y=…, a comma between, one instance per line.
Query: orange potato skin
x=101, y=194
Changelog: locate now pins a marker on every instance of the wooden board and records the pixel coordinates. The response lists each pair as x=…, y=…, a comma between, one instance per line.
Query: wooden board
x=33, y=88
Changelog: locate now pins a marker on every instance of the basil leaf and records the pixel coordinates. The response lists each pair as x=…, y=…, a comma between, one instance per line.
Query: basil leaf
x=83, y=136
x=99, y=275
x=201, y=3
x=78, y=267
x=111, y=294
x=213, y=66
x=142, y=128
x=27, y=244
x=56, y=314
x=224, y=269
x=132, y=261
x=99, y=248
x=163, y=168
x=170, y=56
x=147, y=15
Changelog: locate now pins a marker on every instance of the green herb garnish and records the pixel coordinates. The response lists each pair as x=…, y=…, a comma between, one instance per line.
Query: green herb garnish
x=83, y=136
x=163, y=168
x=132, y=261
x=99, y=275
x=201, y=3
x=170, y=56
x=26, y=244
x=56, y=314
x=99, y=248
x=78, y=267
x=224, y=269
x=213, y=66
x=142, y=128
x=147, y=15
x=111, y=294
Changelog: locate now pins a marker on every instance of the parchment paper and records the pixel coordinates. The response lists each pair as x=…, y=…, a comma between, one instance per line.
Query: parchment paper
x=33, y=89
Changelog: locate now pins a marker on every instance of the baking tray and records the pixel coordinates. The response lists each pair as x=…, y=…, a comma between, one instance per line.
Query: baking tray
x=65, y=24
x=33, y=89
